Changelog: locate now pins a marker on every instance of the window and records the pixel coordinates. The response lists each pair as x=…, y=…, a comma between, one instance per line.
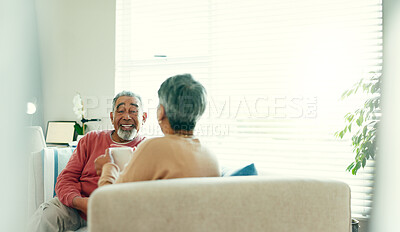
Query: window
x=274, y=71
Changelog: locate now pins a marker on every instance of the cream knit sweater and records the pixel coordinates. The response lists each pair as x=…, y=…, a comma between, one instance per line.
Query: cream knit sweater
x=168, y=157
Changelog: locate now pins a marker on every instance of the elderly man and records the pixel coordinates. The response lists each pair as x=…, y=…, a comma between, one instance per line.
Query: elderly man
x=67, y=211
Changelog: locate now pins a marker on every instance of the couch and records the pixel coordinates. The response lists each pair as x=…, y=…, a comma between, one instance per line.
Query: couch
x=45, y=166
x=247, y=203
x=241, y=203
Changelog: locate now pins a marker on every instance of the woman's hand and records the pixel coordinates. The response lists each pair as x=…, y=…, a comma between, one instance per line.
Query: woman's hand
x=101, y=160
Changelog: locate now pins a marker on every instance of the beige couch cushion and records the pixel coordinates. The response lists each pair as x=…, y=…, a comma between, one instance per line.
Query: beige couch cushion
x=222, y=204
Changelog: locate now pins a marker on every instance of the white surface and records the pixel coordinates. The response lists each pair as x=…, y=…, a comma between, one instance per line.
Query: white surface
x=77, y=55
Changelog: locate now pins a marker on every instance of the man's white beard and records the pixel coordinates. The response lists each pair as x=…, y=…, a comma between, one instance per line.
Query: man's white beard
x=127, y=135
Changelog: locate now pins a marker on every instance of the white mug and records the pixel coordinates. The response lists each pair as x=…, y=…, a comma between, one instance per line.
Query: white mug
x=121, y=155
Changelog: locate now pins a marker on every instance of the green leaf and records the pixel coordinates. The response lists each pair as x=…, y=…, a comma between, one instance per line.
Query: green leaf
x=341, y=134
x=350, y=118
x=355, y=169
x=350, y=167
x=344, y=95
x=361, y=118
x=372, y=154
x=78, y=129
x=359, y=139
x=349, y=92
x=349, y=127
x=377, y=103
x=365, y=86
x=365, y=130
x=364, y=161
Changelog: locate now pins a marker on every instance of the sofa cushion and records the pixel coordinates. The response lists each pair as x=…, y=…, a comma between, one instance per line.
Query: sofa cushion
x=249, y=170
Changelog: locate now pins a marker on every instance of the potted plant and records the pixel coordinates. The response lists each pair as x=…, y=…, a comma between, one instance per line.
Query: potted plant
x=362, y=124
x=354, y=225
x=80, y=113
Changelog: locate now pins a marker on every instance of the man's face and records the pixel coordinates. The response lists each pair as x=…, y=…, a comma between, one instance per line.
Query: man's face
x=127, y=118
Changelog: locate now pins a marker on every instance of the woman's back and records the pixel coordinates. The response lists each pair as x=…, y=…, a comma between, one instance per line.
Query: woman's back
x=168, y=157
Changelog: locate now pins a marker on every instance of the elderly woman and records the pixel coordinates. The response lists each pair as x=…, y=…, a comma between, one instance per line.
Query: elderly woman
x=178, y=154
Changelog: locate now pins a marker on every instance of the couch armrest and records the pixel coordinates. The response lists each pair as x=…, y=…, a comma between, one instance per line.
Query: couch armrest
x=222, y=204
x=44, y=167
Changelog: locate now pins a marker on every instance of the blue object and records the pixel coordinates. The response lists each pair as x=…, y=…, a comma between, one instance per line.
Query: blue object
x=249, y=170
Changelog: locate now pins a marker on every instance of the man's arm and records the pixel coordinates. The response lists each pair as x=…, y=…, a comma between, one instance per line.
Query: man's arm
x=68, y=185
x=80, y=203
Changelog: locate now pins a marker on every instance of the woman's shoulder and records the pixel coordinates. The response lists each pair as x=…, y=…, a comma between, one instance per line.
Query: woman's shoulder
x=156, y=141
x=160, y=145
x=152, y=148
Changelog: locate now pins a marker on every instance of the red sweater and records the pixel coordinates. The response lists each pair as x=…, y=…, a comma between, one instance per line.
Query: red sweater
x=79, y=177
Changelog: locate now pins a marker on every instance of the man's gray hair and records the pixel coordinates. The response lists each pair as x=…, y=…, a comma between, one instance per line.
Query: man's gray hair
x=184, y=100
x=128, y=94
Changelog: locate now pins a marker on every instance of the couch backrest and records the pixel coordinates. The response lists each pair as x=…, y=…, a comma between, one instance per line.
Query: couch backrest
x=36, y=140
x=222, y=204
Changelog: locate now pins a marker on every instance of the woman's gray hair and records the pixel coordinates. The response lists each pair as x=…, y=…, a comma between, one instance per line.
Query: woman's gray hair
x=128, y=94
x=184, y=100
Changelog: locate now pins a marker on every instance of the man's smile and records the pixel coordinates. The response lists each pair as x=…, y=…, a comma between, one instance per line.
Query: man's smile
x=127, y=127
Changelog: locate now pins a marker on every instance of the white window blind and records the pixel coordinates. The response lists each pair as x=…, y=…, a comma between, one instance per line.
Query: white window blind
x=274, y=71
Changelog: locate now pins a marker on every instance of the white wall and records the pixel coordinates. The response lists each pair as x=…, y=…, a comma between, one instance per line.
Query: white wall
x=77, y=47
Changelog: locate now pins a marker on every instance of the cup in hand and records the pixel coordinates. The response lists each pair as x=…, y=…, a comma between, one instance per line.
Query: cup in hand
x=121, y=155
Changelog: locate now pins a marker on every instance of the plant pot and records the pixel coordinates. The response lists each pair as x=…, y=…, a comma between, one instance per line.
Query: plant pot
x=354, y=225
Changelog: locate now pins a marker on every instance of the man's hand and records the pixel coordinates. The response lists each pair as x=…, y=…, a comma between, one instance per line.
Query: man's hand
x=101, y=160
x=81, y=204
